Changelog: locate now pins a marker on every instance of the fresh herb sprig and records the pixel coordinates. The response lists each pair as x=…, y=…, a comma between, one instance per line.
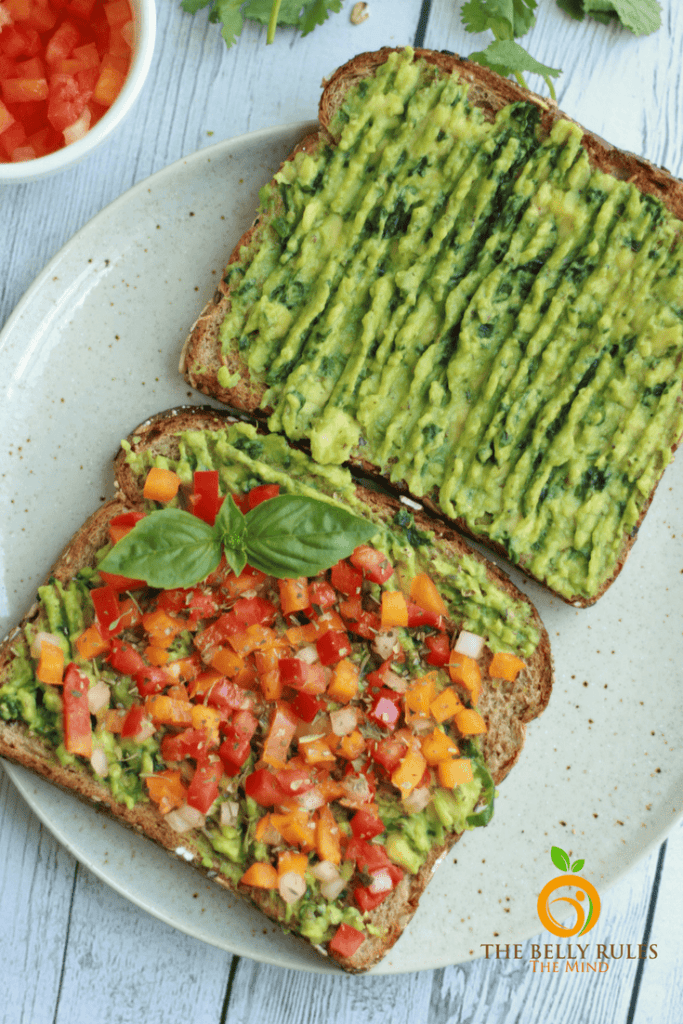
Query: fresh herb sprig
x=639, y=16
x=507, y=20
x=231, y=14
x=286, y=537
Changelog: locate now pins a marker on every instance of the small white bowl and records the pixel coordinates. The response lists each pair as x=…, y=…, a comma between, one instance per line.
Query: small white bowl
x=144, y=12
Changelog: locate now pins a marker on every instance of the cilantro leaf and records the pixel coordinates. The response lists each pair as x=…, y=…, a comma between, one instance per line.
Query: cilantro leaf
x=227, y=12
x=259, y=10
x=302, y=14
x=507, y=57
x=192, y=6
x=505, y=18
x=316, y=12
x=640, y=16
x=574, y=8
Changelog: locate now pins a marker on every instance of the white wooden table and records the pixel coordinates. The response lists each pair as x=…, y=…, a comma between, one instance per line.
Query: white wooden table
x=73, y=950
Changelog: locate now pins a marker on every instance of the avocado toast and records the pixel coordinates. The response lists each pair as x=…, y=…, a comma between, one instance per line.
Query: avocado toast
x=135, y=763
x=458, y=289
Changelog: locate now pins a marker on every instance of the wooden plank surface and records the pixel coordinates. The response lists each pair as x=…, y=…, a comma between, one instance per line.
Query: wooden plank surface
x=74, y=950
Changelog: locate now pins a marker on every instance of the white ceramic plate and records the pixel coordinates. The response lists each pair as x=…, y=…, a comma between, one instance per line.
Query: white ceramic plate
x=91, y=350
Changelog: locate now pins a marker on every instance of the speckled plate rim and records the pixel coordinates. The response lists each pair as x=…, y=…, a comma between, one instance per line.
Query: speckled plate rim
x=500, y=870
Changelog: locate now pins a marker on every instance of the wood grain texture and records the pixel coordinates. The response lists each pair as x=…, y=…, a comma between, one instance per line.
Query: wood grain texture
x=74, y=951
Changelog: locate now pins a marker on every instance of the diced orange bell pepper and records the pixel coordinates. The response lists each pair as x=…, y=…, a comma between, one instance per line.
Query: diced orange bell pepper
x=157, y=655
x=162, y=627
x=261, y=875
x=226, y=661
x=267, y=668
x=470, y=722
x=166, y=711
x=454, y=772
x=114, y=718
x=343, y=686
x=446, y=705
x=296, y=828
x=207, y=720
x=315, y=751
x=161, y=485
x=394, y=609
x=50, y=664
x=300, y=635
x=280, y=734
x=251, y=639
x=438, y=746
x=409, y=772
x=421, y=694
x=505, y=666
x=352, y=745
x=465, y=671
x=91, y=643
x=294, y=595
x=166, y=789
x=327, y=836
x=423, y=592
x=201, y=684
x=288, y=861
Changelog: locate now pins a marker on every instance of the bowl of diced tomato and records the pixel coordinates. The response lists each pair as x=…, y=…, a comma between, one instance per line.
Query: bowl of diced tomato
x=70, y=71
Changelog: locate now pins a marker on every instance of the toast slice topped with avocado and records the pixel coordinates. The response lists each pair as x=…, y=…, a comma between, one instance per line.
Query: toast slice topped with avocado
x=457, y=288
x=315, y=743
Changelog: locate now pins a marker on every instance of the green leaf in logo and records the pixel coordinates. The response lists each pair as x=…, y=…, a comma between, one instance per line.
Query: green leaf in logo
x=577, y=865
x=559, y=858
x=169, y=548
x=293, y=535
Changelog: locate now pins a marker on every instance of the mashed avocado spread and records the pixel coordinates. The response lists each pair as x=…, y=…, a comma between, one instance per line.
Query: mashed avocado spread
x=476, y=311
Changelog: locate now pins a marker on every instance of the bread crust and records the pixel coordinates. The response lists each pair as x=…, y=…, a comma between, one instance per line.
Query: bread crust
x=201, y=356
x=506, y=707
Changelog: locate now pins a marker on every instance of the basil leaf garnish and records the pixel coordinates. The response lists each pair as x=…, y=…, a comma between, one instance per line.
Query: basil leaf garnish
x=230, y=528
x=293, y=535
x=169, y=548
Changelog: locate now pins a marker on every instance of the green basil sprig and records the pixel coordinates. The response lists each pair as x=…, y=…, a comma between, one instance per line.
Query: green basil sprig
x=287, y=536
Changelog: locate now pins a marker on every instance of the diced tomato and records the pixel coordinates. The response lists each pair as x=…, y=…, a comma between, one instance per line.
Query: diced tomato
x=439, y=650
x=294, y=780
x=366, y=824
x=423, y=617
x=374, y=564
x=205, y=500
x=62, y=42
x=203, y=788
x=217, y=633
x=235, y=749
x=134, y=721
x=106, y=604
x=263, y=787
x=346, y=940
x=346, y=578
x=117, y=582
x=20, y=41
x=66, y=101
x=386, y=709
x=188, y=743
x=77, y=730
x=119, y=526
x=22, y=90
x=262, y=493
x=367, y=899
x=389, y=753
x=369, y=857
x=255, y=610
x=321, y=594
x=151, y=679
x=226, y=696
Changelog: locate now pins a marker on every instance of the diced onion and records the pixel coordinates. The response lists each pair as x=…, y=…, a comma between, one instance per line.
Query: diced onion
x=325, y=871
x=417, y=800
x=310, y=800
x=99, y=697
x=99, y=762
x=319, y=727
x=291, y=886
x=343, y=721
x=39, y=638
x=421, y=724
x=308, y=654
x=330, y=890
x=185, y=818
x=395, y=682
x=230, y=810
x=385, y=642
x=470, y=644
x=381, y=882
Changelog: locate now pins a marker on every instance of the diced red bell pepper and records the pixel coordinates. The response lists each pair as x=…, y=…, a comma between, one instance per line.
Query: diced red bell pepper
x=367, y=899
x=368, y=857
x=203, y=788
x=423, y=617
x=119, y=526
x=366, y=824
x=346, y=940
x=152, y=679
x=321, y=594
x=106, y=604
x=205, y=500
x=346, y=578
x=374, y=564
x=293, y=671
x=227, y=696
x=125, y=659
x=305, y=706
x=217, y=633
x=119, y=583
x=262, y=493
x=294, y=780
x=77, y=730
x=135, y=719
x=332, y=647
x=255, y=610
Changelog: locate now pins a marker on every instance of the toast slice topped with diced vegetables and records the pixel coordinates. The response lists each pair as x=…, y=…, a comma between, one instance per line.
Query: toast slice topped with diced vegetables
x=459, y=289
x=316, y=739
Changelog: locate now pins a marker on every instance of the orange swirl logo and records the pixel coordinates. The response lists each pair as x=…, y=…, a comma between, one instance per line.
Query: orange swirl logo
x=586, y=902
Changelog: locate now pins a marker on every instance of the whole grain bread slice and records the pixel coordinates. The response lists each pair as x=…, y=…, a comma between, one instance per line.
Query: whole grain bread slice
x=202, y=361
x=506, y=707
